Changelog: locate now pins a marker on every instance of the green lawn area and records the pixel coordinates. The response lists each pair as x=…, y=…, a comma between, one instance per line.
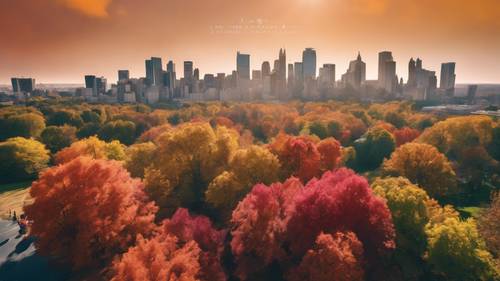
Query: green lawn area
x=14, y=197
x=470, y=212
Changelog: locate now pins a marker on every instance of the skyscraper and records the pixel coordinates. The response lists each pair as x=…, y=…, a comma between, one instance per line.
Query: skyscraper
x=282, y=65
x=356, y=74
x=291, y=73
x=97, y=84
x=188, y=70
x=448, y=76
x=386, y=71
x=266, y=69
x=243, y=65
x=327, y=75
x=24, y=85
x=309, y=62
x=298, y=71
x=123, y=75
x=154, y=71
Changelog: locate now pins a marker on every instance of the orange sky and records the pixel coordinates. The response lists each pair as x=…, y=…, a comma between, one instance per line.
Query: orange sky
x=62, y=40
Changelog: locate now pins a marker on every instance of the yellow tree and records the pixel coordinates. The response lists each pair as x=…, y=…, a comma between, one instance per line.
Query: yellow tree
x=92, y=147
x=139, y=157
x=186, y=160
x=248, y=167
x=423, y=165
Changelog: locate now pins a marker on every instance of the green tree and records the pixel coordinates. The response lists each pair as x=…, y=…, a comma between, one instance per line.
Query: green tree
x=123, y=131
x=371, y=150
x=22, y=159
x=26, y=125
x=56, y=138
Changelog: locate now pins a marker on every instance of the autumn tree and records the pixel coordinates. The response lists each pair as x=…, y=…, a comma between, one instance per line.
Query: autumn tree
x=248, y=166
x=489, y=225
x=373, y=148
x=26, y=125
x=122, y=131
x=139, y=157
x=86, y=211
x=187, y=159
x=160, y=258
x=456, y=251
x=22, y=159
x=187, y=228
x=408, y=205
x=63, y=117
x=405, y=135
x=153, y=133
x=56, y=138
x=92, y=147
x=425, y=166
x=88, y=130
x=337, y=257
x=304, y=157
x=281, y=223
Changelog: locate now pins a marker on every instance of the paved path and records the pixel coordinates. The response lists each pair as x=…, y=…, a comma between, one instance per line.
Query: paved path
x=18, y=258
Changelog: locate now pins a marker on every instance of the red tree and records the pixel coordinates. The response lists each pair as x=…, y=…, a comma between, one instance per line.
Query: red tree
x=211, y=241
x=86, y=211
x=258, y=224
x=280, y=223
x=158, y=259
x=340, y=201
x=335, y=257
x=405, y=135
x=330, y=152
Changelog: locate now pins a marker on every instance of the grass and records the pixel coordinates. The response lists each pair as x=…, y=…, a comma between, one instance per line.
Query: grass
x=470, y=212
x=13, y=197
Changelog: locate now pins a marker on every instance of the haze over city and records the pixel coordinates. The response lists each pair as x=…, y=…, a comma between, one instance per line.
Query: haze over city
x=62, y=40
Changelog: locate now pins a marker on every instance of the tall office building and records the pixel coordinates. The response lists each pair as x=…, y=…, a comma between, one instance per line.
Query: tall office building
x=448, y=76
x=327, y=74
x=386, y=71
x=97, y=84
x=243, y=66
x=23, y=85
x=309, y=62
x=170, y=66
x=356, y=74
x=196, y=74
x=266, y=69
x=123, y=75
x=298, y=71
x=281, y=69
x=154, y=69
x=291, y=73
x=256, y=75
x=188, y=70
x=422, y=83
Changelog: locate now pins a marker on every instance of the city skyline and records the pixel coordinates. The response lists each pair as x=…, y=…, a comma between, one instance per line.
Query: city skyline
x=65, y=39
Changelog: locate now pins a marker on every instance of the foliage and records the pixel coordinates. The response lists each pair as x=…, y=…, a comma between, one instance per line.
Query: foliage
x=408, y=205
x=373, y=148
x=65, y=117
x=21, y=159
x=86, y=211
x=92, y=147
x=187, y=159
x=248, y=166
x=27, y=125
x=288, y=216
x=56, y=138
x=425, y=166
x=122, y=131
x=457, y=251
x=489, y=225
x=139, y=157
x=405, y=135
x=333, y=257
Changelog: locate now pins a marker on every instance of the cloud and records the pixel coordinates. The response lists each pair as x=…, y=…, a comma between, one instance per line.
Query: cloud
x=91, y=8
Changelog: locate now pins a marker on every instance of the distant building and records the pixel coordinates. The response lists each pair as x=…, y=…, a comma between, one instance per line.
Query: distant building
x=154, y=71
x=447, y=81
x=188, y=70
x=266, y=69
x=256, y=74
x=23, y=85
x=243, y=65
x=97, y=84
x=309, y=62
x=387, y=78
x=356, y=74
x=422, y=83
x=327, y=75
x=123, y=75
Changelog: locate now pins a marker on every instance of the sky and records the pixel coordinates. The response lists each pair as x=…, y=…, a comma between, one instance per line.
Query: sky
x=60, y=41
